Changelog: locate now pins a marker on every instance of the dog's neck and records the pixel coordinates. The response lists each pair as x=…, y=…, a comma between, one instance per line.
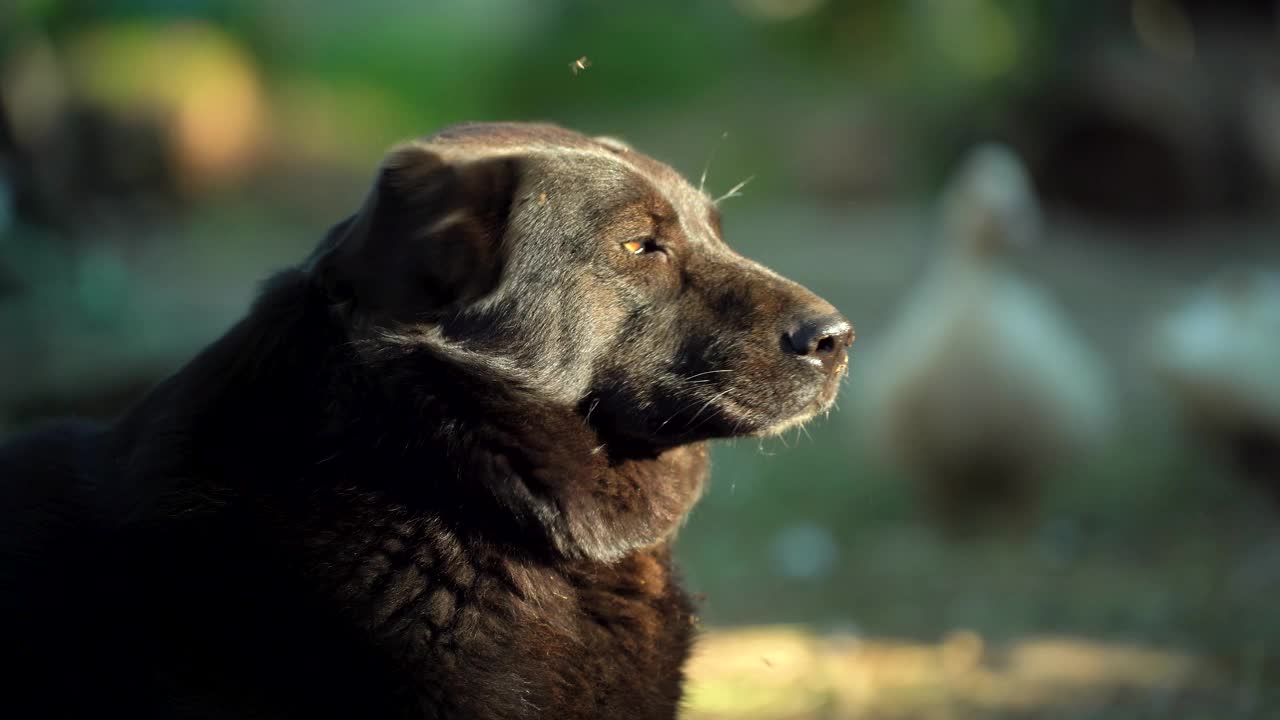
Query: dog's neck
x=284, y=399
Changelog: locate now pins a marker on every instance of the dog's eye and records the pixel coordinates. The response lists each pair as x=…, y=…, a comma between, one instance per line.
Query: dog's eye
x=641, y=246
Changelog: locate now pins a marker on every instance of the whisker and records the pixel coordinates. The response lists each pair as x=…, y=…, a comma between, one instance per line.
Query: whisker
x=706, y=372
x=702, y=182
x=734, y=191
x=686, y=407
x=706, y=405
x=704, y=381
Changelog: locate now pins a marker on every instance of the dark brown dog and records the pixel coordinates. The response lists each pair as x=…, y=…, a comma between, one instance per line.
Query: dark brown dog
x=436, y=470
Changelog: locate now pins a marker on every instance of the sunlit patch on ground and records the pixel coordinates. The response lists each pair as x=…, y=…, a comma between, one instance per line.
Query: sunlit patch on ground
x=789, y=672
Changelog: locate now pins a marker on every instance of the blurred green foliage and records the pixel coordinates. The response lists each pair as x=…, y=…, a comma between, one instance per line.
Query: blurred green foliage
x=404, y=68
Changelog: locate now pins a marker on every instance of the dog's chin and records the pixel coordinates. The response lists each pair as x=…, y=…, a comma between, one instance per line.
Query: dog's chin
x=821, y=403
x=775, y=421
x=724, y=413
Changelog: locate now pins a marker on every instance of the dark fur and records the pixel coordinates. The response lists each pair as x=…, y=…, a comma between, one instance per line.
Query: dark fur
x=436, y=470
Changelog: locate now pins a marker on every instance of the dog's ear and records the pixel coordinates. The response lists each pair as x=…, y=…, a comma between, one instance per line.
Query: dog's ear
x=427, y=238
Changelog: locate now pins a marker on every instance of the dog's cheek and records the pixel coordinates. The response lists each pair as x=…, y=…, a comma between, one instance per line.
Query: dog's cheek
x=656, y=279
x=633, y=390
x=603, y=320
x=561, y=330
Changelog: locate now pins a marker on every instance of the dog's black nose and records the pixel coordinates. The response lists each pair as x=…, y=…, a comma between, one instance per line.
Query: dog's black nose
x=823, y=338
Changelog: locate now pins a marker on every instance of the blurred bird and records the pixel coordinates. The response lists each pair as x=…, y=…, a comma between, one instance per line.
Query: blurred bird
x=1218, y=355
x=980, y=390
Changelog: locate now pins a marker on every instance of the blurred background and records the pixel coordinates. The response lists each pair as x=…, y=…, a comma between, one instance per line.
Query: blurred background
x=1052, y=488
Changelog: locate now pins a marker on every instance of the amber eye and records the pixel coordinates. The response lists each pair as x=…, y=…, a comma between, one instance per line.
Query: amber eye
x=639, y=247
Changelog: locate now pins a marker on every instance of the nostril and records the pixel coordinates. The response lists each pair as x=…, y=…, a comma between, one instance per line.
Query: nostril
x=819, y=336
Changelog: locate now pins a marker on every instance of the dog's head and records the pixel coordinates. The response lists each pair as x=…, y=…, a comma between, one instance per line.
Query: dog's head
x=589, y=274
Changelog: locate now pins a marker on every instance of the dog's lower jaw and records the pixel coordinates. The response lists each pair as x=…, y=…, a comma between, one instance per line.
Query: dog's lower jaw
x=791, y=423
x=821, y=402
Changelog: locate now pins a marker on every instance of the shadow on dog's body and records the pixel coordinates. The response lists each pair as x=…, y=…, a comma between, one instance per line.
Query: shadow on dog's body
x=392, y=490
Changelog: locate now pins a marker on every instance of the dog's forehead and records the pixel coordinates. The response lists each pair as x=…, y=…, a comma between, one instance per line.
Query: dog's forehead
x=605, y=160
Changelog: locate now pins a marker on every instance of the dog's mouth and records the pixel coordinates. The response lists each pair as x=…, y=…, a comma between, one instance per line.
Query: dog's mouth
x=822, y=402
x=739, y=396
x=738, y=411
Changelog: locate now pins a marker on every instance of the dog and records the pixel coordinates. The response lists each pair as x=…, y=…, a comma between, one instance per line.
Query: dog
x=435, y=472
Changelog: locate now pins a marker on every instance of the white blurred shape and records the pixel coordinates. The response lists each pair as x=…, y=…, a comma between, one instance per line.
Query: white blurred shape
x=980, y=378
x=1219, y=352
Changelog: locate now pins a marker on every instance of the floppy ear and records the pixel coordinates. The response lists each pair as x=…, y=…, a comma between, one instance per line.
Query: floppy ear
x=427, y=238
